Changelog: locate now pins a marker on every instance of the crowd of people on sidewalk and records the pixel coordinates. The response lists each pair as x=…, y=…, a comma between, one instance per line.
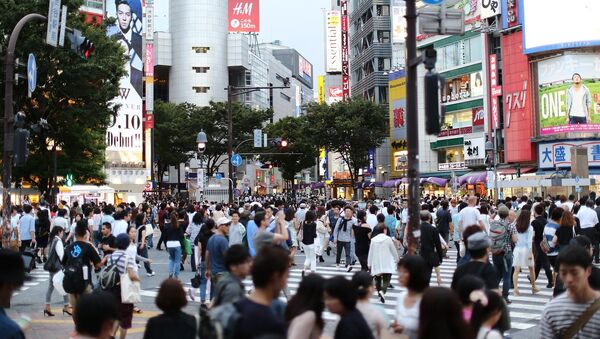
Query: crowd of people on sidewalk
x=93, y=254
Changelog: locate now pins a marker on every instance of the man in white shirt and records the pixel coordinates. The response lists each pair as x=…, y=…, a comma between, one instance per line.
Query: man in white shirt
x=470, y=215
x=121, y=223
x=61, y=220
x=588, y=219
x=372, y=216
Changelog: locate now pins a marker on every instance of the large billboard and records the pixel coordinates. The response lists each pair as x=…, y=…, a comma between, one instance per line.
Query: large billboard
x=243, y=16
x=124, y=140
x=558, y=154
x=569, y=94
x=305, y=69
x=333, y=42
x=558, y=24
x=398, y=21
x=397, y=83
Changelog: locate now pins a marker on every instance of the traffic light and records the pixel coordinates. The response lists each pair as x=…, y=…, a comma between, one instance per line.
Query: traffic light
x=21, y=138
x=432, y=82
x=81, y=45
x=267, y=166
x=279, y=142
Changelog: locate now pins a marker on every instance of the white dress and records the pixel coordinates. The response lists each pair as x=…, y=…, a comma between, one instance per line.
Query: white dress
x=522, y=251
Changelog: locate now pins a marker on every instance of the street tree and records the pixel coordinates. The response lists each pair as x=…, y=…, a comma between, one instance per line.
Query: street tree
x=73, y=94
x=350, y=129
x=299, y=135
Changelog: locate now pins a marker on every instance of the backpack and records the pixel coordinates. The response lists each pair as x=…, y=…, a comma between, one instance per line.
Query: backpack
x=110, y=276
x=220, y=322
x=73, y=281
x=499, y=236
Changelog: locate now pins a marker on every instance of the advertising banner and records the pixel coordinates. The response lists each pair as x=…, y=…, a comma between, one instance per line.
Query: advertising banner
x=149, y=61
x=333, y=37
x=243, y=16
x=569, y=94
x=490, y=8
x=149, y=21
x=511, y=17
x=321, y=89
x=558, y=154
x=124, y=140
x=305, y=69
x=539, y=35
x=397, y=90
x=398, y=21
x=336, y=94
x=474, y=148
x=345, y=45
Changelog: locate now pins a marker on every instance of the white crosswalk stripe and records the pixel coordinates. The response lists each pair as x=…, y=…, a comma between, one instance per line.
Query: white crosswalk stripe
x=38, y=276
x=525, y=310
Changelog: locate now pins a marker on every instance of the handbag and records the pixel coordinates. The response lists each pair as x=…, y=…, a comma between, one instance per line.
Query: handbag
x=187, y=246
x=130, y=290
x=57, y=281
x=581, y=320
x=149, y=230
x=195, y=281
x=53, y=265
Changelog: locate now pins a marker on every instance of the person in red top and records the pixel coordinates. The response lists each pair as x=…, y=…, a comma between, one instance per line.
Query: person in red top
x=162, y=214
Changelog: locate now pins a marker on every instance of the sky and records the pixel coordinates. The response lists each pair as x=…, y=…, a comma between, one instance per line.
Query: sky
x=298, y=24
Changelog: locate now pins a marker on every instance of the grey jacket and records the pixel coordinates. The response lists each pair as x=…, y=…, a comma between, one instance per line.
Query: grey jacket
x=339, y=234
x=587, y=101
x=229, y=289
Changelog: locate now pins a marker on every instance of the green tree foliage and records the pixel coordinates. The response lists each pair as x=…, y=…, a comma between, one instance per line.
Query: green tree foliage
x=178, y=124
x=299, y=134
x=349, y=128
x=73, y=94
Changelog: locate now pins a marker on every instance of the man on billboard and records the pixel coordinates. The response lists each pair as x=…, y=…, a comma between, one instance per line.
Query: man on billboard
x=131, y=41
x=578, y=102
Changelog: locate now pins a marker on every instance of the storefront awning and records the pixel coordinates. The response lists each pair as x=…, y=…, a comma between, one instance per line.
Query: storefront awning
x=317, y=185
x=436, y=181
x=392, y=183
x=513, y=170
x=473, y=178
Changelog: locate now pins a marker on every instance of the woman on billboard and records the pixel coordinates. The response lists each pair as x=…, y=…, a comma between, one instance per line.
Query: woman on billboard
x=578, y=102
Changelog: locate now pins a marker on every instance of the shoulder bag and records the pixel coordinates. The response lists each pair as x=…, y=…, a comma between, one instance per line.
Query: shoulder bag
x=52, y=264
x=581, y=320
x=130, y=290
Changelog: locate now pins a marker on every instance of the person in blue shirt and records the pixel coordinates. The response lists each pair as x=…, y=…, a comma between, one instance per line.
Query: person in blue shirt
x=251, y=228
x=27, y=229
x=390, y=219
x=215, y=253
x=12, y=277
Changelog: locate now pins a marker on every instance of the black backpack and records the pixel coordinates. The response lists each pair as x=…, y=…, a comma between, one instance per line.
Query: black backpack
x=73, y=282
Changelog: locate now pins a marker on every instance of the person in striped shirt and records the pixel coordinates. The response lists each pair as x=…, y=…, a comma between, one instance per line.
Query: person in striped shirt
x=563, y=311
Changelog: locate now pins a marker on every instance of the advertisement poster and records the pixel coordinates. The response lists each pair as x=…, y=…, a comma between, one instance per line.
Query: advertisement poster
x=335, y=94
x=558, y=154
x=397, y=82
x=333, y=42
x=243, y=16
x=124, y=141
x=569, y=94
x=398, y=21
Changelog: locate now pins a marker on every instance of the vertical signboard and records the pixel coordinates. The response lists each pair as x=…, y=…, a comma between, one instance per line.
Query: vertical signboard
x=321, y=89
x=494, y=90
x=53, y=22
x=511, y=16
x=398, y=21
x=124, y=140
x=243, y=16
x=345, y=42
x=333, y=32
x=398, y=153
x=298, y=100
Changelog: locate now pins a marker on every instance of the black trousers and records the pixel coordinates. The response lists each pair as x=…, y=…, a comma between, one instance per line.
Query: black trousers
x=541, y=261
x=161, y=240
x=457, y=245
x=363, y=258
x=592, y=233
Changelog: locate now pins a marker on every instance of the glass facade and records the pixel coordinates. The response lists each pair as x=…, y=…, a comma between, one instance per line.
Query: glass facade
x=459, y=53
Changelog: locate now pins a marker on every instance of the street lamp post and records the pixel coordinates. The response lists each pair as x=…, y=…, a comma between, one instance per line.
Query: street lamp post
x=202, y=141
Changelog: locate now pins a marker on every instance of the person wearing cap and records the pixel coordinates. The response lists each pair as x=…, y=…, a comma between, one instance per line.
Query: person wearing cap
x=478, y=246
x=215, y=253
x=12, y=277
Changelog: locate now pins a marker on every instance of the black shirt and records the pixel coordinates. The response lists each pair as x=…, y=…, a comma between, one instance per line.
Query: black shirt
x=110, y=241
x=309, y=232
x=202, y=240
x=361, y=234
x=564, y=235
x=485, y=271
x=443, y=220
x=538, y=228
x=85, y=251
x=258, y=321
x=172, y=234
x=353, y=325
x=174, y=325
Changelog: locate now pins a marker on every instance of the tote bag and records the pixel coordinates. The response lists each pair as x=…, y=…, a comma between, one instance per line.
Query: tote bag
x=130, y=290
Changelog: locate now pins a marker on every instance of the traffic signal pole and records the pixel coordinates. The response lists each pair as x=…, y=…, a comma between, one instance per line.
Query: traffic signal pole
x=9, y=117
x=412, y=125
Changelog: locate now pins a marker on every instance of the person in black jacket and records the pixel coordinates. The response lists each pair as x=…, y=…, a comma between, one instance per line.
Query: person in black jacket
x=541, y=259
x=173, y=323
x=431, y=247
x=340, y=298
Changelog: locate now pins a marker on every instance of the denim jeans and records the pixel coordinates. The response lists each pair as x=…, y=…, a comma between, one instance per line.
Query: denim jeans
x=51, y=289
x=503, y=265
x=150, y=240
x=174, y=261
x=346, y=246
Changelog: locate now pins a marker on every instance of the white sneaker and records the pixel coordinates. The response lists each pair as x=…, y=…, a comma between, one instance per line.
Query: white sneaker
x=151, y=274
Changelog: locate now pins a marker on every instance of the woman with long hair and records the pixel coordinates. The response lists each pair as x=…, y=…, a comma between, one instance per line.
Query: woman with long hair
x=309, y=232
x=487, y=310
x=53, y=266
x=142, y=248
x=340, y=298
x=362, y=236
x=523, y=252
x=290, y=219
x=42, y=232
x=374, y=315
x=565, y=231
x=305, y=309
x=192, y=232
x=412, y=275
x=174, y=238
x=201, y=241
x=440, y=315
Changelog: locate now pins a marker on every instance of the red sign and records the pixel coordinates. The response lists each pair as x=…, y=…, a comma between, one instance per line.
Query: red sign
x=512, y=13
x=399, y=117
x=149, y=121
x=335, y=92
x=149, y=62
x=456, y=131
x=495, y=90
x=478, y=116
x=345, y=64
x=243, y=16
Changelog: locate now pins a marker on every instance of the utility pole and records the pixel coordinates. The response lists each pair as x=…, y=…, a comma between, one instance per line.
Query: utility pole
x=230, y=140
x=9, y=76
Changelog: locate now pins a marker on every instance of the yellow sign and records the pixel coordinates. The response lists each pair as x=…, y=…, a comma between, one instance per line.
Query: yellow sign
x=321, y=89
x=397, y=90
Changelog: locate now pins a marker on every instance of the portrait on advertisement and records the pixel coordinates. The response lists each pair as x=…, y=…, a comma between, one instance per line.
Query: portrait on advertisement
x=569, y=94
x=476, y=84
x=128, y=32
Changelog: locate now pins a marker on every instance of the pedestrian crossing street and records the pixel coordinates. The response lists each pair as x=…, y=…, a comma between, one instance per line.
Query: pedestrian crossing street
x=38, y=276
x=525, y=310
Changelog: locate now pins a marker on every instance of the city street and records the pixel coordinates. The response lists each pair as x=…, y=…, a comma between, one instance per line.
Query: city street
x=525, y=310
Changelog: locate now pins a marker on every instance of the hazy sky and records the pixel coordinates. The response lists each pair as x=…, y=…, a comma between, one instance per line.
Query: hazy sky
x=298, y=24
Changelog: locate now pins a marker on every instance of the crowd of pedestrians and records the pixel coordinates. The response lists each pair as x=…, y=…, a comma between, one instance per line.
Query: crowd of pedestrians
x=93, y=254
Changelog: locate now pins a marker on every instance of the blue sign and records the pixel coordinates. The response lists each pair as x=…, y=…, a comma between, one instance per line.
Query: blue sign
x=577, y=180
x=433, y=2
x=236, y=160
x=219, y=176
x=31, y=73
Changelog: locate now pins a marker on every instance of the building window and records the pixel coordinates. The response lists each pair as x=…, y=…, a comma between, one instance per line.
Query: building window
x=284, y=96
x=383, y=64
x=201, y=89
x=201, y=69
x=383, y=95
x=201, y=49
x=383, y=37
x=460, y=119
x=383, y=10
